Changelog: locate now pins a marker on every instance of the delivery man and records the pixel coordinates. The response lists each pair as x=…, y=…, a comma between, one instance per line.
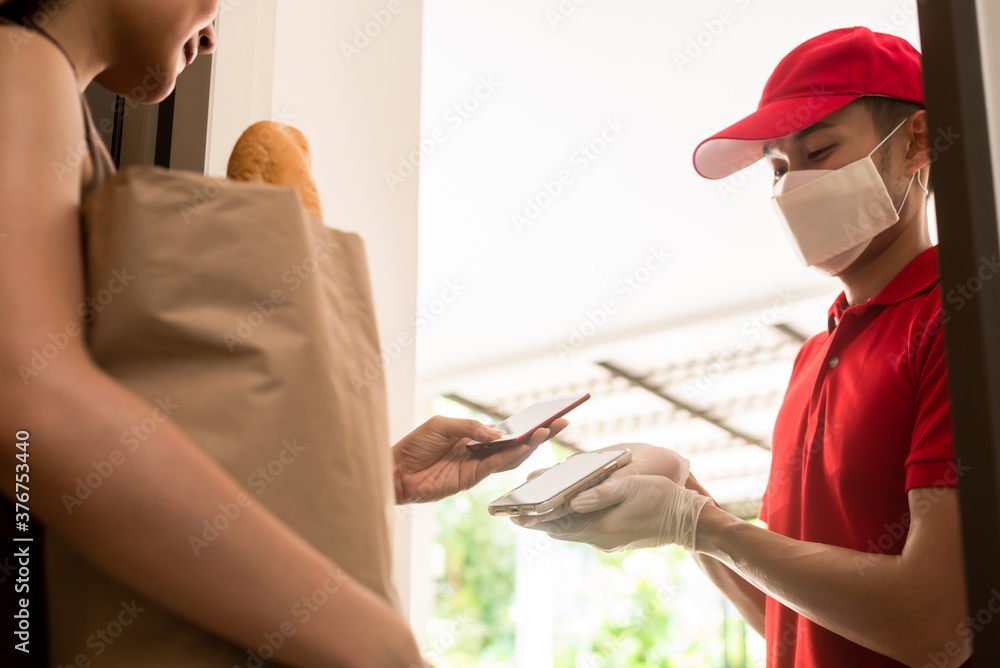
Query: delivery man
x=861, y=561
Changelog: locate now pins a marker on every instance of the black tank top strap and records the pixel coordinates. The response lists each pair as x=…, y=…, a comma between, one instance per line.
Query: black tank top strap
x=31, y=25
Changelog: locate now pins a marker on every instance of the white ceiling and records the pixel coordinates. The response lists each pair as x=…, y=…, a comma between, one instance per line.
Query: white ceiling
x=556, y=89
x=532, y=307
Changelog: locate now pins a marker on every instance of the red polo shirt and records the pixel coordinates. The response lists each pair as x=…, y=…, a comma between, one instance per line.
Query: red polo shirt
x=865, y=419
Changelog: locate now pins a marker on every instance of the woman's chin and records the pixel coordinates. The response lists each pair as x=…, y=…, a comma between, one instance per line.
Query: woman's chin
x=150, y=87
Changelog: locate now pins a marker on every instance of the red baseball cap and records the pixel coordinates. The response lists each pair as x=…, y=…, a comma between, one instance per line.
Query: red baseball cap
x=817, y=78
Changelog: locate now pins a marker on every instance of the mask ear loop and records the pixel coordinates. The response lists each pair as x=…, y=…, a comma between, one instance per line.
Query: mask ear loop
x=910, y=184
x=916, y=175
x=922, y=186
x=886, y=138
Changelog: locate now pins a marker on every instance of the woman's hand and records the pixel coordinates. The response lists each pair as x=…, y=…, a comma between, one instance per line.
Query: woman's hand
x=434, y=461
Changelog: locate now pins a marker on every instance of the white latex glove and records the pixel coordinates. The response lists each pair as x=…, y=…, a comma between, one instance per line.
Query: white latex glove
x=653, y=460
x=628, y=512
x=646, y=460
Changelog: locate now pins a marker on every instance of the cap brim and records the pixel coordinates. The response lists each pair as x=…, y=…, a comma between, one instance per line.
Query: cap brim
x=741, y=144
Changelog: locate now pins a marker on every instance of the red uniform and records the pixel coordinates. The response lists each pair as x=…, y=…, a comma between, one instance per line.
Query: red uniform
x=864, y=420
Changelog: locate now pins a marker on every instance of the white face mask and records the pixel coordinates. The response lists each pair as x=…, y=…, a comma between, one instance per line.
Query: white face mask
x=831, y=215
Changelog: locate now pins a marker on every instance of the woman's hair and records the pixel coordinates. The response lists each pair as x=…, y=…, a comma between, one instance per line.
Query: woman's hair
x=19, y=9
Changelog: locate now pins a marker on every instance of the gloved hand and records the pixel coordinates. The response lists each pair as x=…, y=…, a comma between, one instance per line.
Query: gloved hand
x=628, y=512
x=653, y=460
x=646, y=460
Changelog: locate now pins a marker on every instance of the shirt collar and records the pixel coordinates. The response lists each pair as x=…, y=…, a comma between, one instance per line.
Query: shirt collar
x=918, y=275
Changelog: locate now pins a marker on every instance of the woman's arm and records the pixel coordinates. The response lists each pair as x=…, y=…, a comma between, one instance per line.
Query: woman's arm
x=136, y=525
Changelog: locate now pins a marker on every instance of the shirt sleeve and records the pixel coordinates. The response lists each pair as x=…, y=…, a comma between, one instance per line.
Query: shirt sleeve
x=931, y=462
x=762, y=514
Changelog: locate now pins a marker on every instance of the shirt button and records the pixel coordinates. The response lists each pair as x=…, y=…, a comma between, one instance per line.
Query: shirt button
x=834, y=361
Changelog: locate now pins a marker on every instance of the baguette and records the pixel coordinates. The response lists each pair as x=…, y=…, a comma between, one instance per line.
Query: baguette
x=269, y=152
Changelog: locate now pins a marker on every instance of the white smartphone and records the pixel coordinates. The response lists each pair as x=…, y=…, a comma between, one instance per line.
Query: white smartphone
x=519, y=427
x=560, y=483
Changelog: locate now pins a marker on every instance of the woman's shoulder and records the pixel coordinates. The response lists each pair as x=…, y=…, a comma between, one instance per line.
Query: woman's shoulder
x=23, y=49
x=40, y=106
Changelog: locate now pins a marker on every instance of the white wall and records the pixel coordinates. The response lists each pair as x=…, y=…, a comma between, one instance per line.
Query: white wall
x=359, y=111
x=989, y=25
x=242, y=75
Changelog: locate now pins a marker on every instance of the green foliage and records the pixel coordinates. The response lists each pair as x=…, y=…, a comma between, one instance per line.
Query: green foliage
x=635, y=640
x=617, y=610
x=478, y=582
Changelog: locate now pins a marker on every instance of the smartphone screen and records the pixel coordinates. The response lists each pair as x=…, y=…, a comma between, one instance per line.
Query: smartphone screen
x=519, y=427
x=559, y=478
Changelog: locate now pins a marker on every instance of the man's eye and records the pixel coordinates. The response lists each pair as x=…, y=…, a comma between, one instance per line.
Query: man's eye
x=817, y=154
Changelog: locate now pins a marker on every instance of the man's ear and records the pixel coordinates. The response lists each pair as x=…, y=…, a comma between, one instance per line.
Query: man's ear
x=917, y=150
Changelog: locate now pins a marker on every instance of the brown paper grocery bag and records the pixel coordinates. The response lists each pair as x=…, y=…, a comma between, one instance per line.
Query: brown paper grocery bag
x=248, y=323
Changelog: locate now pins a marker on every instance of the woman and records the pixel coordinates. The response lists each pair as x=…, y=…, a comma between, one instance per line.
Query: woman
x=136, y=530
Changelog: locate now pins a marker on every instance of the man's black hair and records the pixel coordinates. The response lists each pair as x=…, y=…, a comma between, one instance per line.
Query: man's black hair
x=887, y=113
